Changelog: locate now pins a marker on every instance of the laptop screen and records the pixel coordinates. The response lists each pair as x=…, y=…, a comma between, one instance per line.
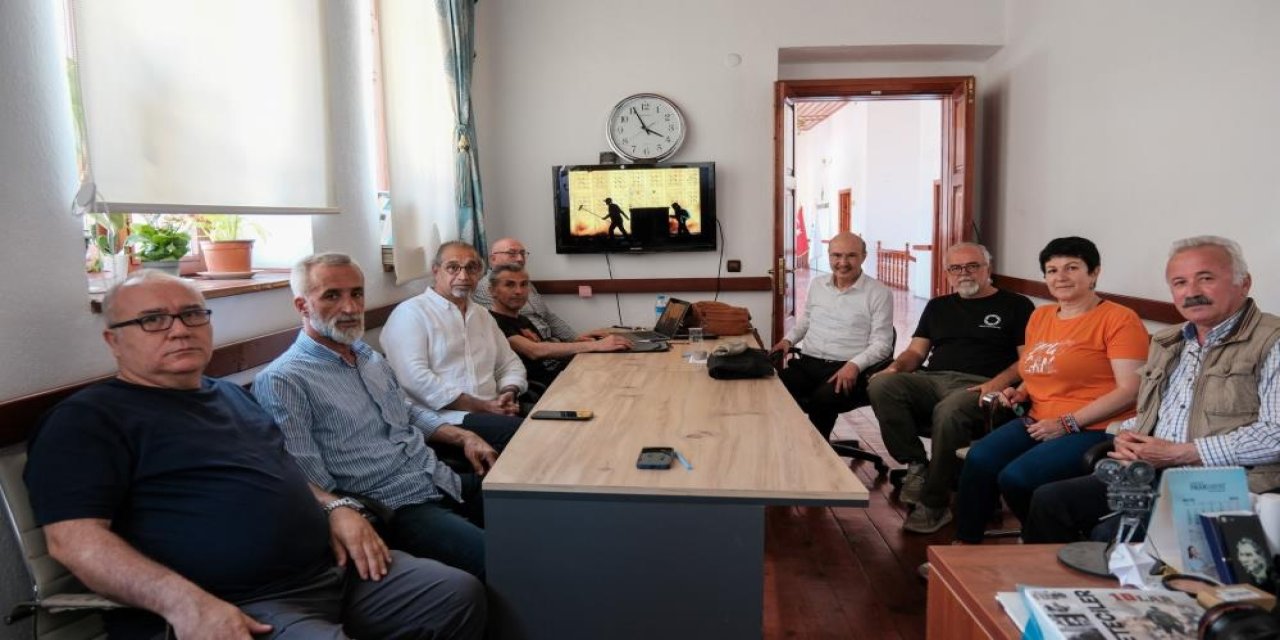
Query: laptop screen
x=672, y=317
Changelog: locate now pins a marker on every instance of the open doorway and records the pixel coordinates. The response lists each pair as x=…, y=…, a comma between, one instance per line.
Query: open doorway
x=886, y=158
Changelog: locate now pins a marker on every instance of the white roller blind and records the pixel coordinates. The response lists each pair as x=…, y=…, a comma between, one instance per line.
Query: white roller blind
x=201, y=104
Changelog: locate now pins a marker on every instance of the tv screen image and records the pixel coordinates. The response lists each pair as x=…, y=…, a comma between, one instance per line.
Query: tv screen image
x=635, y=208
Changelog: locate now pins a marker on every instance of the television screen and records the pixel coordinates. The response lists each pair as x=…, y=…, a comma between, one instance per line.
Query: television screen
x=635, y=208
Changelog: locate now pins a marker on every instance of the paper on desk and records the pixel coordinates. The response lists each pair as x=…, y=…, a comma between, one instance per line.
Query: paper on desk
x=1015, y=607
x=1133, y=567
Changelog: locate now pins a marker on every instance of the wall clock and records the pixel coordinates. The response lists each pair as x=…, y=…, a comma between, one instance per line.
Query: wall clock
x=645, y=127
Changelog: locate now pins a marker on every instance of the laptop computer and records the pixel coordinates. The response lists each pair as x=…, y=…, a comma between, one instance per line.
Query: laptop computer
x=665, y=329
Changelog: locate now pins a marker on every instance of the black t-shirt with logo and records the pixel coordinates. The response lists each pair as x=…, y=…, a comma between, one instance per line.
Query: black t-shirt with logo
x=980, y=336
x=543, y=371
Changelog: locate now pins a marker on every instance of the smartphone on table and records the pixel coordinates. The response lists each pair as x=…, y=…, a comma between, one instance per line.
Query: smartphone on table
x=561, y=415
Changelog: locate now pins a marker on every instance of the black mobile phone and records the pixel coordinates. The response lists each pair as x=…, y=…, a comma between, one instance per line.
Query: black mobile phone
x=655, y=458
x=561, y=415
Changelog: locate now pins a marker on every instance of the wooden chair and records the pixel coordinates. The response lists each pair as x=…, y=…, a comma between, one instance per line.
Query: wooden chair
x=63, y=608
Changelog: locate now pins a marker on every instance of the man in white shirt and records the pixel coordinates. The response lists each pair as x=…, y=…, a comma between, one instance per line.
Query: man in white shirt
x=512, y=251
x=847, y=326
x=449, y=355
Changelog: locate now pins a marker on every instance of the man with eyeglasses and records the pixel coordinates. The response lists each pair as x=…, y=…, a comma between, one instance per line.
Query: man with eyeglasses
x=512, y=251
x=172, y=492
x=971, y=340
x=847, y=326
x=352, y=429
x=448, y=354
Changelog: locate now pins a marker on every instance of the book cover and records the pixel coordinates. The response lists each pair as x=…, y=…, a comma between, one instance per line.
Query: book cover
x=1217, y=551
x=1105, y=614
x=1174, y=533
x=1245, y=546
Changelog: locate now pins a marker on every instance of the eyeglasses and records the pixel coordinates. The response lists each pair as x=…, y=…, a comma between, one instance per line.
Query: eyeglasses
x=968, y=267
x=472, y=268
x=514, y=253
x=157, y=322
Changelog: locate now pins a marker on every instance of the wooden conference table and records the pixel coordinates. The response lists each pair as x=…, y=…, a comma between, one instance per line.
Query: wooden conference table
x=582, y=544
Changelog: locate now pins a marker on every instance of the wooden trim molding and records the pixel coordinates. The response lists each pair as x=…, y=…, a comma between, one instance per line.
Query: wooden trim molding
x=653, y=285
x=1146, y=309
x=21, y=414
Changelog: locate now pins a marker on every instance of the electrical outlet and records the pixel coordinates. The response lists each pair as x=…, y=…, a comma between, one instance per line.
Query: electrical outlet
x=733, y=266
x=584, y=291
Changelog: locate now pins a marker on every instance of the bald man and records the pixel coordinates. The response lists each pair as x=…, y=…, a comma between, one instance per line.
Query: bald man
x=512, y=251
x=847, y=326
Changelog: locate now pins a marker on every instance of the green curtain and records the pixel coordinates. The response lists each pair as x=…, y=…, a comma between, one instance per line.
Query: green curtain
x=458, y=24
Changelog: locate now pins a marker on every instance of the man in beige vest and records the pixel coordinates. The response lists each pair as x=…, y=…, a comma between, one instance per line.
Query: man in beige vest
x=1209, y=395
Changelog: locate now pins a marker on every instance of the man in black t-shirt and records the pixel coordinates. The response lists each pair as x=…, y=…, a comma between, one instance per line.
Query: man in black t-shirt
x=543, y=356
x=971, y=339
x=173, y=493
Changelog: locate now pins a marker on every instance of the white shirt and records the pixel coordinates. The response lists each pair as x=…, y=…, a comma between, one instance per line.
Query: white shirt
x=854, y=325
x=438, y=354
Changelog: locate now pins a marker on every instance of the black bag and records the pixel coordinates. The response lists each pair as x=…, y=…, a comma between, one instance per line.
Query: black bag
x=752, y=363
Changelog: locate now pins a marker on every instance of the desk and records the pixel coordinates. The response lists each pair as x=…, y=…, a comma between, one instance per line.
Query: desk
x=581, y=544
x=964, y=580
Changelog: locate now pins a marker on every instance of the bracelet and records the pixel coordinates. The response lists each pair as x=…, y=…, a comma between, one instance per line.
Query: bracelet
x=1069, y=423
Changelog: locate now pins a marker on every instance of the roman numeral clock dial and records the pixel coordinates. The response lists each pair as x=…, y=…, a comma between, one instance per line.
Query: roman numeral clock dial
x=645, y=127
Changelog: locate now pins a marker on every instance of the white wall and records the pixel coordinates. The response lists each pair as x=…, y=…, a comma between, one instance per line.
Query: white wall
x=548, y=72
x=1132, y=124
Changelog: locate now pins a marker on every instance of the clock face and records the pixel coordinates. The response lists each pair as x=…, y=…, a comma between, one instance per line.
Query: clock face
x=645, y=127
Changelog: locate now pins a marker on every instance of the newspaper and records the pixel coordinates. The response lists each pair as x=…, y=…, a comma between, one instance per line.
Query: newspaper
x=1104, y=614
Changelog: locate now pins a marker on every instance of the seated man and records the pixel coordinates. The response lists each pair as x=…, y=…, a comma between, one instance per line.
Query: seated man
x=1209, y=396
x=847, y=326
x=971, y=339
x=548, y=324
x=173, y=493
x=449, y=355
x=352, y=429
x=543, y=355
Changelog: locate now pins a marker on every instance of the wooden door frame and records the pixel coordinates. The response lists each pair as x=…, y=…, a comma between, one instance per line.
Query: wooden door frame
x=927, y=88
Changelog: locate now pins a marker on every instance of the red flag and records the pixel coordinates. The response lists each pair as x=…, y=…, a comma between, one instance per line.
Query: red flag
x=802, y=236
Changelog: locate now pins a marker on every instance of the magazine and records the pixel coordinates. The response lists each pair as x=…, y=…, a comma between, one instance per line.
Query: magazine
x=1105, y=614
x=1174, y=533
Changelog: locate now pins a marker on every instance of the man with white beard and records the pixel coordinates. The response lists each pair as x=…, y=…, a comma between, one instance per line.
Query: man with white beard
x=972, y=339
x=353, y=431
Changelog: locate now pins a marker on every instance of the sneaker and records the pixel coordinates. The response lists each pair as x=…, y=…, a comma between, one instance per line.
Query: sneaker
x=923, y=571
x=927, y=519
x=913, y=483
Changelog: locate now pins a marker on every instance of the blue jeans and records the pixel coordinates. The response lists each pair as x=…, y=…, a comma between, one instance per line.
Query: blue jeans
x=1010, y=463
x=449, y=531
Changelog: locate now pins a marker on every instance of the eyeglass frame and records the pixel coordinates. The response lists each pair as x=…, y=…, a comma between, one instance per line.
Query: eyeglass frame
x=511, y=253
x=168, y=324
x=472, y=268
x=967, y=268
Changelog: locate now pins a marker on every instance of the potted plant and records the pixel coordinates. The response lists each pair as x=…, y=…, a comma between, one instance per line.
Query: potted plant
x=225, y=250
x=109, y=235
x=160, y=244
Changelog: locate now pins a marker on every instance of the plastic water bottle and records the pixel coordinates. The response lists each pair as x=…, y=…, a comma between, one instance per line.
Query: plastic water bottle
x=659, y=307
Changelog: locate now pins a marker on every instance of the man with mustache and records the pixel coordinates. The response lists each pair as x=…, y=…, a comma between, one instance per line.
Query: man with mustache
x=172, y=492
x=1209, y=394
x=971, y=339
x=548, y=324
x=353, y=431
x=846, y=327
x=449, y=354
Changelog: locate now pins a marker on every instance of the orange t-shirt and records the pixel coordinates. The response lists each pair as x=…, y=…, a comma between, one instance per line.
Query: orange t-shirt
x=1067, y=363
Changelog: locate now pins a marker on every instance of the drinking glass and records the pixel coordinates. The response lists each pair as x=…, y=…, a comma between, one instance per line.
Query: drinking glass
x=697, y=346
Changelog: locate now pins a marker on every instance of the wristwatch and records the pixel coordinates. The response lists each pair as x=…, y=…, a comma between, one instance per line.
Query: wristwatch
x=350, y=503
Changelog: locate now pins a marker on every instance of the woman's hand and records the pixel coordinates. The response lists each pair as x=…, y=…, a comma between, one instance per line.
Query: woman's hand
x=1044, y=430
x=1012, y=395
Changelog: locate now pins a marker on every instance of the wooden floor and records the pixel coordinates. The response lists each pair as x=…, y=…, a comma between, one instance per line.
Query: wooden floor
x=843, y=572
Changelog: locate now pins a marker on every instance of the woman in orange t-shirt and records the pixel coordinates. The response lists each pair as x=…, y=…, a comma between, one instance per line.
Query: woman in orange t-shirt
x=1079, y=371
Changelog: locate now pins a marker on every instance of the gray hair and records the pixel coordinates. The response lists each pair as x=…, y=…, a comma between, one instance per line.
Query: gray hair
x=986, y=255
x=439, y=259
x=510, y=267
x=300, y=277
x=144, y=276
x=1239, y=268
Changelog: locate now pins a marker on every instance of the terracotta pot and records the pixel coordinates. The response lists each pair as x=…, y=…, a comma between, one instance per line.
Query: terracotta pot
x=227, y=256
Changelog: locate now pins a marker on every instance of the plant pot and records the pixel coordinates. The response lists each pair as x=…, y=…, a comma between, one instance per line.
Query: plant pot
x=115, y=266
x=168, y=266
x=227, y=256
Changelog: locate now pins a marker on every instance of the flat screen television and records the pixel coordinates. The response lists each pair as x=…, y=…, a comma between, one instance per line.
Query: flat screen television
x=635, y=208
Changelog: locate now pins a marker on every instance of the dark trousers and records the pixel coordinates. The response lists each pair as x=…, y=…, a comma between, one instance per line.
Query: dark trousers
x=445, y=530
x=1069, y=511
x=806, y=379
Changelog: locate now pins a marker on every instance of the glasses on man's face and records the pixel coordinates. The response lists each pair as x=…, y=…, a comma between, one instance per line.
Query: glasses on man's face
x=968, y=267
x=453, y=268
x=514, y=253
x=156, y=322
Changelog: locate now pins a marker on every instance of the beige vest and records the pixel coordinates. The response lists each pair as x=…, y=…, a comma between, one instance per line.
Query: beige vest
x=1225, y=395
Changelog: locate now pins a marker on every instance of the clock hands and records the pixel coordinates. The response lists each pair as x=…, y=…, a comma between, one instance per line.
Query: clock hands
x=644, y=127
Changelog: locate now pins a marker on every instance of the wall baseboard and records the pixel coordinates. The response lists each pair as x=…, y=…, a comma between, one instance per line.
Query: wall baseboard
x=653, y=285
